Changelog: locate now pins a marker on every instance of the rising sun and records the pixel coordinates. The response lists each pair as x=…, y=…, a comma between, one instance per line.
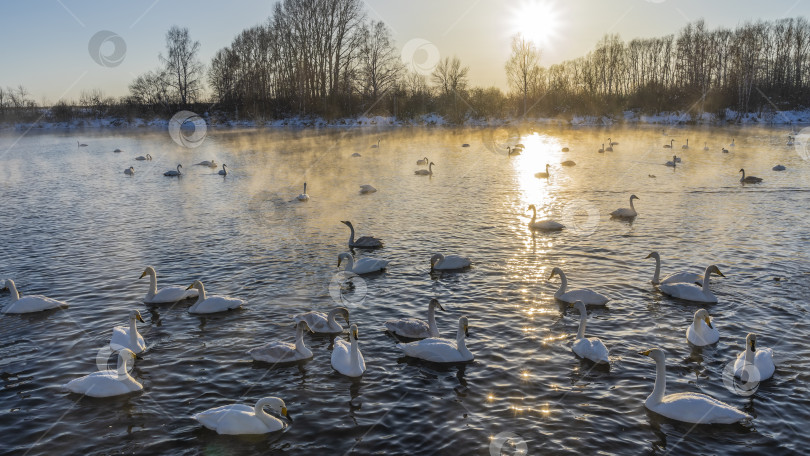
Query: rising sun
x=536, y=20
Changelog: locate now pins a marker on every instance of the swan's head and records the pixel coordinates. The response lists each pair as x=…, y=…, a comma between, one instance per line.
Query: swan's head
x=353, y=332
x=435, y=303
x=656, y=354
x=7, y=285
x=531, y=207
x=556, y=271
x=751, y=342
x=714, y=269
x=431, y=164
x=464, y=325
x=632, y=197
x=197, y=284
x=148, y=271
x=653, y=255
x=276, y=405
x=741, y=170
x=343, y=256
x=303, y=325
x=345, y=313
x=580, y=306
x=126, y=354
x=135, y=315
x=703, y=314
x=435, y=258
x=347, y=223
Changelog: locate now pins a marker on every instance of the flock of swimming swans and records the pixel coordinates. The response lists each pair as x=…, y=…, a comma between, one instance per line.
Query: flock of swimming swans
x=418, y=338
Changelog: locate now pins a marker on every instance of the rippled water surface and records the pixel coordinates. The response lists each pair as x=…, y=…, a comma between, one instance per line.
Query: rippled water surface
x=73, y=227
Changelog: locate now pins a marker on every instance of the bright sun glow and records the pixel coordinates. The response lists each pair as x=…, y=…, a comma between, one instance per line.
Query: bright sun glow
x=538, y=21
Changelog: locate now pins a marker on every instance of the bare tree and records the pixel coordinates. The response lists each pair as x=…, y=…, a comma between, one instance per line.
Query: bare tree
x=380, y=64
x=450, y=76
x=181, y=63
x=523, y=67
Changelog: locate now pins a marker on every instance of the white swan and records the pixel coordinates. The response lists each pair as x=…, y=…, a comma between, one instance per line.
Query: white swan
x=141, y=157
x=565, y=149
x=779, y=168
x=118, y=151
x=425, y=172
x=375, y=146
x=223, y=171
x=705, y=146
x=673, y=163
x=363, y=242
x=78, y=144
x=173, y=173
x=686, y=146
x=129, y=171
x=678, y=277
x=510, y=151
x=363, y=265
x=239, y=419
x=128, y=337
x=356, y=155
x=212, y=304
x=413, y=328
x=569, y=163
x=626, y=212
x=166, y=295
x=543, y=225
x=423, y=162
x=602, y=150
x=687, y=407
x=449, y=262
x=589, y=348
x=284, y=352
x=543, y=175
x=669, y=146
x=612, y=143
x=585, y=295
x=701, y=332
x=754, y=364
x=30, y=303
x=691, y=291
x=321, y=323
x=107, y=383
x=609, y=148
x=210, y=164
x=346, y=357
x=303, y=196
x=440, y=350
x=366, y=188
x=749, y=179
x=732, y=143
x=724, y=150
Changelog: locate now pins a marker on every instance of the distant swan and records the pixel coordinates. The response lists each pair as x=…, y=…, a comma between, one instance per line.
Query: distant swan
x=374, y=146
x=686, y=146
x=687, y=407
x=238, y=419
x=612, y=143
x=303, y=196
x=284, y=352
x=732, y=143
x=78, y=144
x=701, y=332
x=172, y=173
x=129, y=171
x=425, y=172
x=672, y=163
x=366, y=189
x=363, y=242
x=124, y=337
x=543, y=225
x=29, y=303
x=223, y=171
x=705, y=146
x=107, y=383
x=423, y=162
x=779, y=168
x=510, y=151
x=725, y=151
x=691, y=291
x=413, y=328
x=585, y=295
x=754, y=364
x=626, y=212
x=602, y=150
x=347, y=358
x=118, y=151
x=356, y=154
x=569, y=163
x=749, y=179
x=592, y=348
x=363, y=265
x=543, y=175
x=210, y=164
x=609, y=148
x=565, y=149
x=212, y=304
x=440, y=350
x=678, y=277
x=669, y=146
x=322, y=323
x=141, y=157
x=447, y=263
x=166, y=295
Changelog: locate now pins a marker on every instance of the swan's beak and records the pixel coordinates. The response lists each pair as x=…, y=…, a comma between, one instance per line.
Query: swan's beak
x=708, y=322
x=338, y=262
x=142, y=275
x=720, y=273
x=467, y=330
x=645, y=353
x=138, y=317
x=753, y=345
x=286, y=413
x=356, y=336
x=440, y=306
x=648, y=256
x=190, y=287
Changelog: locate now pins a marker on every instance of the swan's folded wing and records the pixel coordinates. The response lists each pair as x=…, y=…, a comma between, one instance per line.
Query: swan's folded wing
x=408, y=327
x=698, y=408
x=274, y=352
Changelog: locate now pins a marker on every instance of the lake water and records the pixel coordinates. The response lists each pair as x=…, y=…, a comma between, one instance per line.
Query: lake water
x=75, y=228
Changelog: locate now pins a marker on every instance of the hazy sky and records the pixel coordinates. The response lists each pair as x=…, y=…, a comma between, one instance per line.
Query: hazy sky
x=44, y=43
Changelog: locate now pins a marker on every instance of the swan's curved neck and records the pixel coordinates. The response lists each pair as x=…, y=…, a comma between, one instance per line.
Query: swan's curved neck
x=133, y=331
x=122, y=364
x=534, y=216
x=258, y=410
x=299, y=338
x=12, y=288
x=583, y=320
x=743, y=174
x=461, y=342
x=152, y=284
x=749, y=354
x=563, y=285
x=631, y=199
x=660, y=388
x=656, y=277
x=430, y=168
x=434, y=330
x=200, y=297
x=354, y=359
x=351, y=237
x=349, y=262
x=706, y=274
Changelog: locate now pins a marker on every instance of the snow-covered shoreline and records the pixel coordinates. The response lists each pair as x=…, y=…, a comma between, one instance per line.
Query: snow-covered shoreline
x=797, y=117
